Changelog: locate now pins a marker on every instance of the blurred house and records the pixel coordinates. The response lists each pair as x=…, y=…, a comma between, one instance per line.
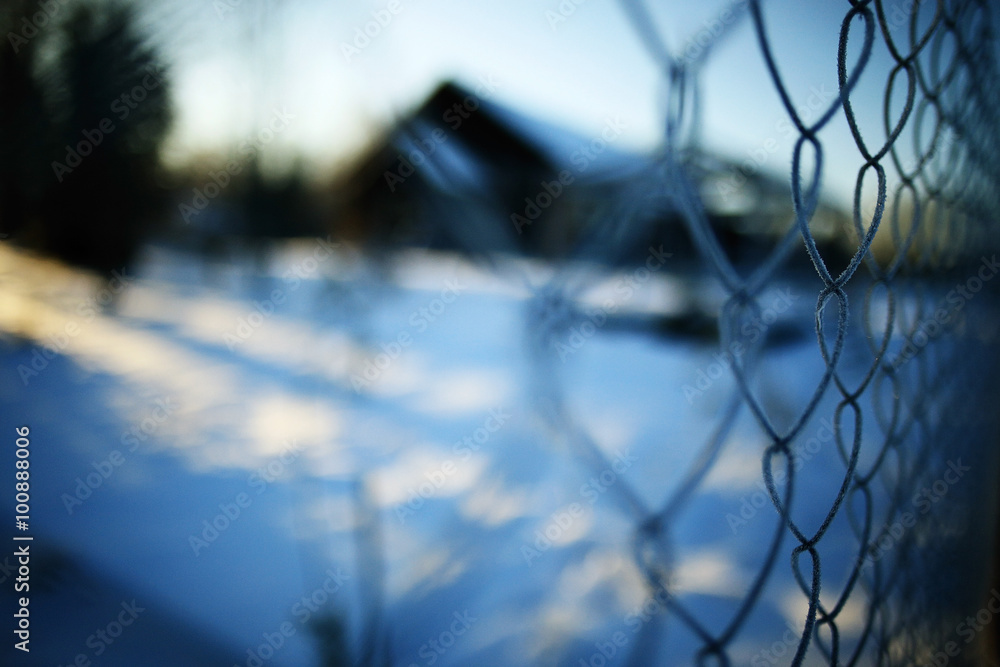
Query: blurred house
x=462, y=172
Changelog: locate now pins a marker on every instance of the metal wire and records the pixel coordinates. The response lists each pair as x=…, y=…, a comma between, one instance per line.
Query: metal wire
x=942, y=206
x=934, y=215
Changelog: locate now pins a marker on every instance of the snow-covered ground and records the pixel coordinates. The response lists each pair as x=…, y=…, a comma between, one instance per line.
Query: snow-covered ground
x=242, y=453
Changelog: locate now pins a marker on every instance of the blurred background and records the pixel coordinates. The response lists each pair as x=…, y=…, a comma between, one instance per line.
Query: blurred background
x=559, y=333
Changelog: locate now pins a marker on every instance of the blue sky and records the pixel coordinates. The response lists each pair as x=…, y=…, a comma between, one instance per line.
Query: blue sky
x=573, y=64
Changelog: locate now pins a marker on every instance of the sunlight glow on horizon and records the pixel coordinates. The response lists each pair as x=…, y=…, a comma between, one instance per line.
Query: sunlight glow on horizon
x=575, y=73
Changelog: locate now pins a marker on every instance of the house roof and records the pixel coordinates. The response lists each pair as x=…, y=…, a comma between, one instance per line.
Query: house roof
x=495, y=134
x=475, y=155
x=564, y=148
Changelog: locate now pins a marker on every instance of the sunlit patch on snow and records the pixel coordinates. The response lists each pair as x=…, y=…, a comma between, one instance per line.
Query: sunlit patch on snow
x=493, y=504
x=460, y=392
x=432, y=569
x=795, y=605
x=420, y=473
x=710, y=572
x=277, y=421
x=737, y=470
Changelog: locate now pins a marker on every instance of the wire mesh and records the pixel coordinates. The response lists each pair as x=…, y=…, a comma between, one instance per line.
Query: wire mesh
x=902, y=338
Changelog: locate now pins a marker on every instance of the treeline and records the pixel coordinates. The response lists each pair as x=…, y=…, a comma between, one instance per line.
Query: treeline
x=84, y=108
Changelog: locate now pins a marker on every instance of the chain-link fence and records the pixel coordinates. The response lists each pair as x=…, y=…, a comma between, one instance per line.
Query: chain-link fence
x=758, y=423
x=886, y=533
